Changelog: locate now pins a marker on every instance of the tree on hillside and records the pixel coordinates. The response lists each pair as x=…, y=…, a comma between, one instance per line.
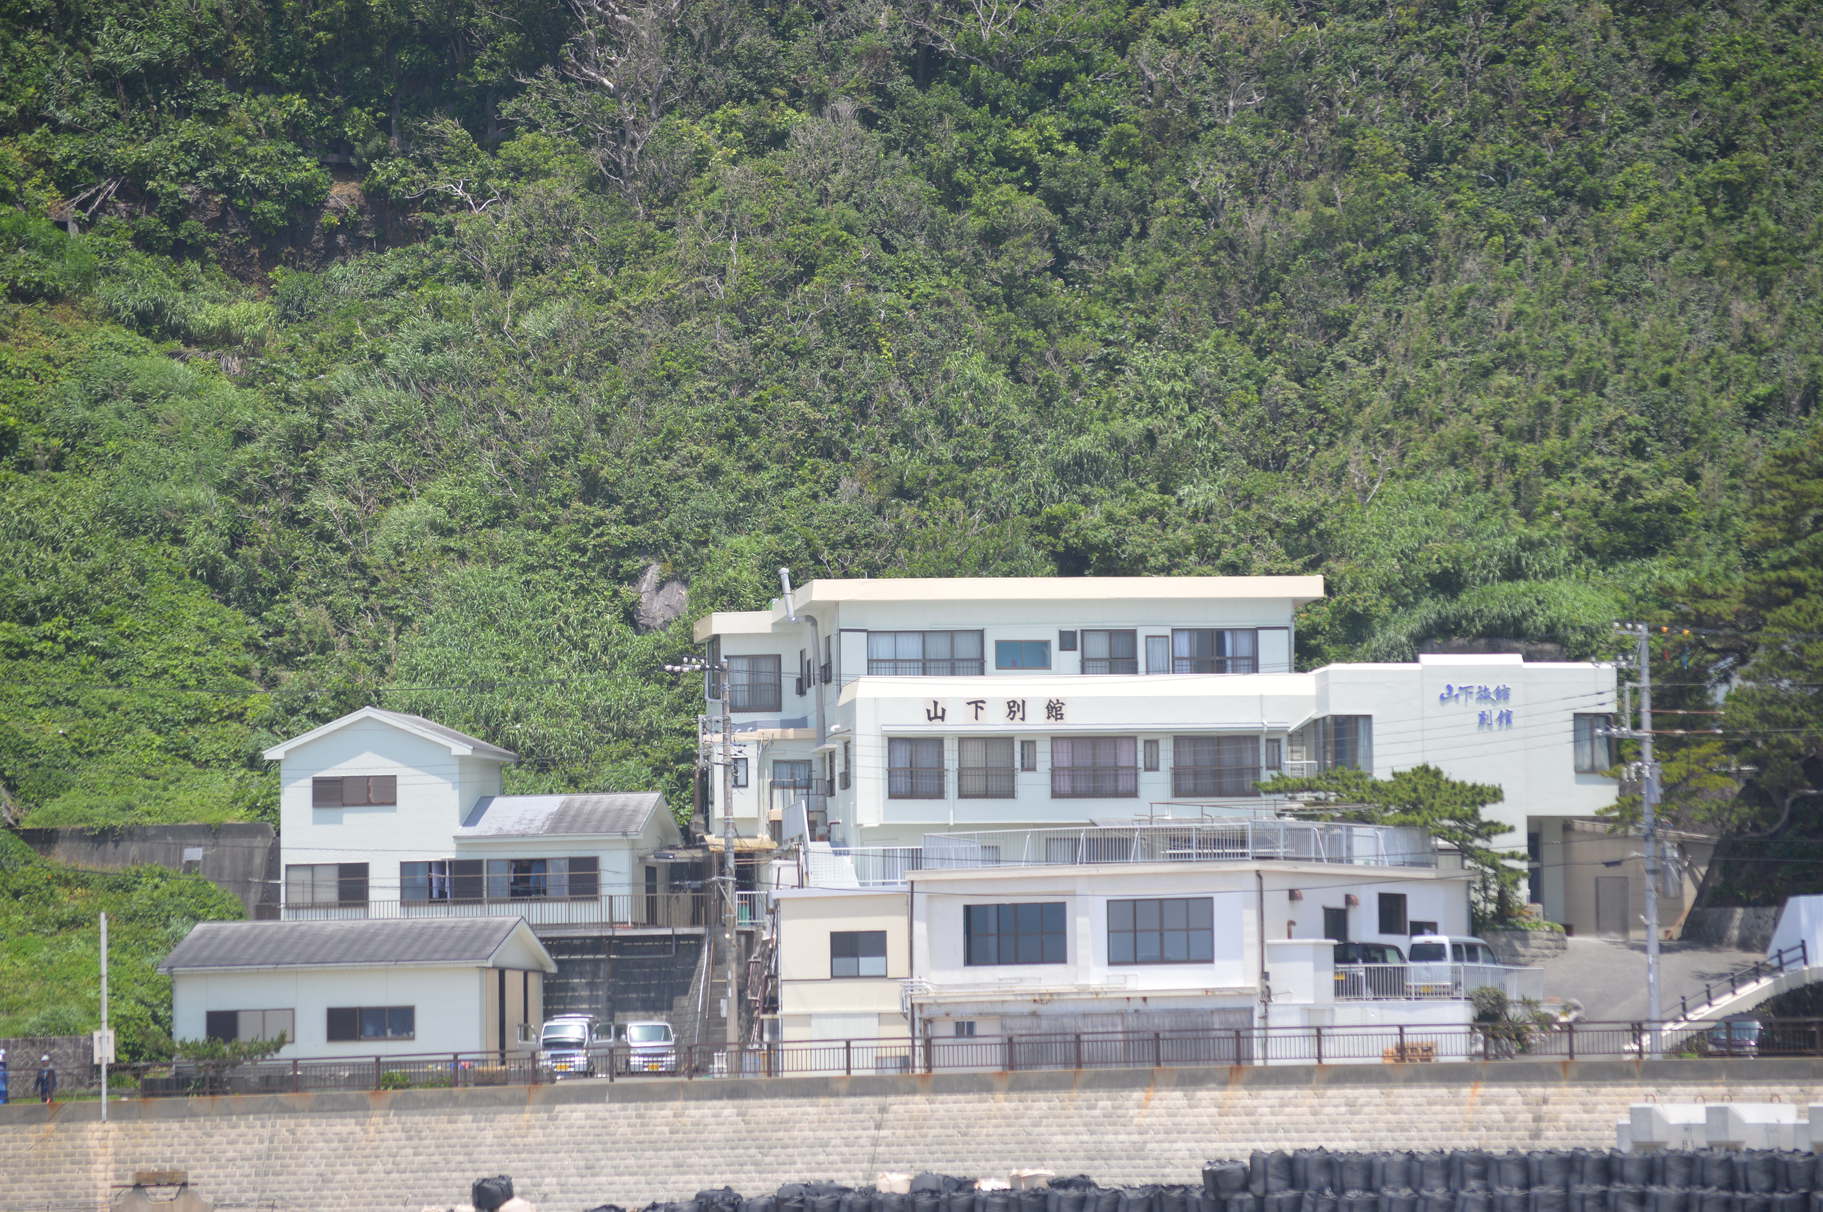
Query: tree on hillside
x=1426, y=798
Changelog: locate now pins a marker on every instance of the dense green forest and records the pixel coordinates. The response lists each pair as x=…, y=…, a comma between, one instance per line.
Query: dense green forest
x=366, y=350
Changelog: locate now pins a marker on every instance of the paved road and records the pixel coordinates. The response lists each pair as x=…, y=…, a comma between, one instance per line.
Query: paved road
x=1608, y=976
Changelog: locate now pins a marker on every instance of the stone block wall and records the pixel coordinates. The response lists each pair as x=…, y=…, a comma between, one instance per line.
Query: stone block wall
x=574, y=1146
x=73, y=1055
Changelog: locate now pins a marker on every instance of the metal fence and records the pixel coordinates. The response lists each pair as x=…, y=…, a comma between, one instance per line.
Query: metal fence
x=616, y=910
x=1746, y=976
x=1175, y=1048
x=1434, y=982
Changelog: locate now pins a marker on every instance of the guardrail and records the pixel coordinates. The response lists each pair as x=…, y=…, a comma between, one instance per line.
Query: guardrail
x=1746, y=974
x=1434, y=982
x=1407, y=1044
x=616, y=910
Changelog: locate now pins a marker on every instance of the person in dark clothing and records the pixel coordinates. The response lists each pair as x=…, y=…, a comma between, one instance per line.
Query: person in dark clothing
x=46, y=1084
x=2, y=1077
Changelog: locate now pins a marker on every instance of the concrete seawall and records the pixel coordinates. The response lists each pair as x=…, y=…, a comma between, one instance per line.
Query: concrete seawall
x=573, y=1146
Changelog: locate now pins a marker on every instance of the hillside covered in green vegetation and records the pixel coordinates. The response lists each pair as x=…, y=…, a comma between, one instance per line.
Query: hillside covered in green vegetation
x=373, y=351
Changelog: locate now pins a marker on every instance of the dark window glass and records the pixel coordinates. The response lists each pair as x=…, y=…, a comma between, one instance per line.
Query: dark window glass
x=1028, y=755
x=914, y=768
x=740, y=772
x=1214, y=766
x=1392, y=913
x=344, y=1023
x=857, y=953
x=1014, y=934
x=222, y=1025
x=1066, y=641
x=1177, y=930
x=585, y=877
x=371, y=1022
x=354, y=791
x=753, y=683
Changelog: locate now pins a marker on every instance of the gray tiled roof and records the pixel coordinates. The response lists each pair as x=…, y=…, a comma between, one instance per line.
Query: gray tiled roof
x=447, y=733
x=618, y=814
x=344, y=943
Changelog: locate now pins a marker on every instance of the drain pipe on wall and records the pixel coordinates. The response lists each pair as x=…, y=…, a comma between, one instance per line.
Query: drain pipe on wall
x=1259, y=932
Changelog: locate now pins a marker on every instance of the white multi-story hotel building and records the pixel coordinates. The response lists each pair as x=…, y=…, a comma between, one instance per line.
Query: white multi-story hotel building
x=872, y=714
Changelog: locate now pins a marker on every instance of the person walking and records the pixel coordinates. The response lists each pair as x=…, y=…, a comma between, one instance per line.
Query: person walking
x=47, y=1079
x=2, y=1077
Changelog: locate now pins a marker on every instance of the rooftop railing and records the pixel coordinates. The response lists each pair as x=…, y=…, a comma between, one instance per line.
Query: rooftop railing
x=620, y=910
x=1184, y=842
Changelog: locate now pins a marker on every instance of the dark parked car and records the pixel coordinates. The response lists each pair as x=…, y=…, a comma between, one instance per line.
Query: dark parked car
x=1365, y=970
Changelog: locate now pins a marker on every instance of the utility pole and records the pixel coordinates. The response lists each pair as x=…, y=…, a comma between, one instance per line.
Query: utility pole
x=731, y=976
x=104, y=1050
x=1648, y=798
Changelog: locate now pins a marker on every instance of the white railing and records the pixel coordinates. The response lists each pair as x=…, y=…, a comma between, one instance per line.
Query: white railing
x=882, y=866
x=619, y=910
x=1184, y=842
x=1434, y=982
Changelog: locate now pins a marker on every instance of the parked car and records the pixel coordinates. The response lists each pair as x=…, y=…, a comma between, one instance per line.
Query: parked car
x=563, y=1047
x=1437, y=964
x=648, y=1046
x=1731, y=1037
x=1383, y=973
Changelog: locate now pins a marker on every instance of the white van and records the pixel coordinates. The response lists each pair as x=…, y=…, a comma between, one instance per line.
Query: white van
x=1443, y=965
x=1448, y=949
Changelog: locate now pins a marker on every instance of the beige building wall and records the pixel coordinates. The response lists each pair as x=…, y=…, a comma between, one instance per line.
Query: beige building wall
x=1604, y=879
x=812, y=1004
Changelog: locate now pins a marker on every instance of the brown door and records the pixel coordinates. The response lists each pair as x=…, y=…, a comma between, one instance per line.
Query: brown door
x=1613, y=898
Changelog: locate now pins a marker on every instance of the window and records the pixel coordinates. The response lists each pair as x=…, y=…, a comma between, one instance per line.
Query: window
x=1014, y=934
x=914, y=768
x=963, y=1028
x=1158, y=654
x=1275, y=754
x=740, y=772
x=1177, y=930
x=1089, y=766
x=371, y=1022
x=1028, y=755
x=1066, y=641
x=1214, y=766
x=791, y=774
x=1109, y=652
x=569, y=878
x=441, y=880
x=753, y=683
x=354, y=791
x=1149, y=752
x=232, y=1025
x=847, y=764
x=1341, y=741
x=1594, y=751
x=823, y=674
x=1392, y=913
x=984, y=770
x=1423, y=928
x=924, y=653
x=857, y=953
x=342, y=885
x=1213, y=650
x=1335, y=923
x=1022, y=654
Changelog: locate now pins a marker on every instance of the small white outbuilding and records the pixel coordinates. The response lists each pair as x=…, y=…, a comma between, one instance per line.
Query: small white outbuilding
x=362, y=988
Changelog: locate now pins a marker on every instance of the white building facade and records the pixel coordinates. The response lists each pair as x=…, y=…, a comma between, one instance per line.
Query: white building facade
x=389, y=815
x=870, y=714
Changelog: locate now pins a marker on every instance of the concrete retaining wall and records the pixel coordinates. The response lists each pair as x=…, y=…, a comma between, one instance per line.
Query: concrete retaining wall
x=1744, y=929
x=72, y=1055
x=238, y=857
x=574, y=1146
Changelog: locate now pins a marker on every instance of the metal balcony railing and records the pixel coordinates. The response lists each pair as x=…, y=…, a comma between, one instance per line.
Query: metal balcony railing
x=628, y=910
x=1434, y=982
x=1185, y=842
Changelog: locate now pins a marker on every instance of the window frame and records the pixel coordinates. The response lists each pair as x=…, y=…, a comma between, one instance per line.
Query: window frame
x=857, y=942
x=1195, y=938
x=1402, y=918
x=1216, y=776
x=908, y=779
x=357, y=1020
x=212, y=1019
x=354, y=791
x=925, y=663
x=1106, y=637
x=1221, y=656
x=1065, y=775
x=993, y=928
x=756, y=682
x=1000, y=662
x=1585, y=735
x=351, y=881
x=996, y=781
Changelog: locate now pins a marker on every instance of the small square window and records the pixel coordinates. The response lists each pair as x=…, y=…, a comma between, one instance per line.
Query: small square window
x=857, y=953
x=1066, y=641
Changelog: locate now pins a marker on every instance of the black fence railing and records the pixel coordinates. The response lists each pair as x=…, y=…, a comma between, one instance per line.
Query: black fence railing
x=1181, y=1048
x=1745, y=977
